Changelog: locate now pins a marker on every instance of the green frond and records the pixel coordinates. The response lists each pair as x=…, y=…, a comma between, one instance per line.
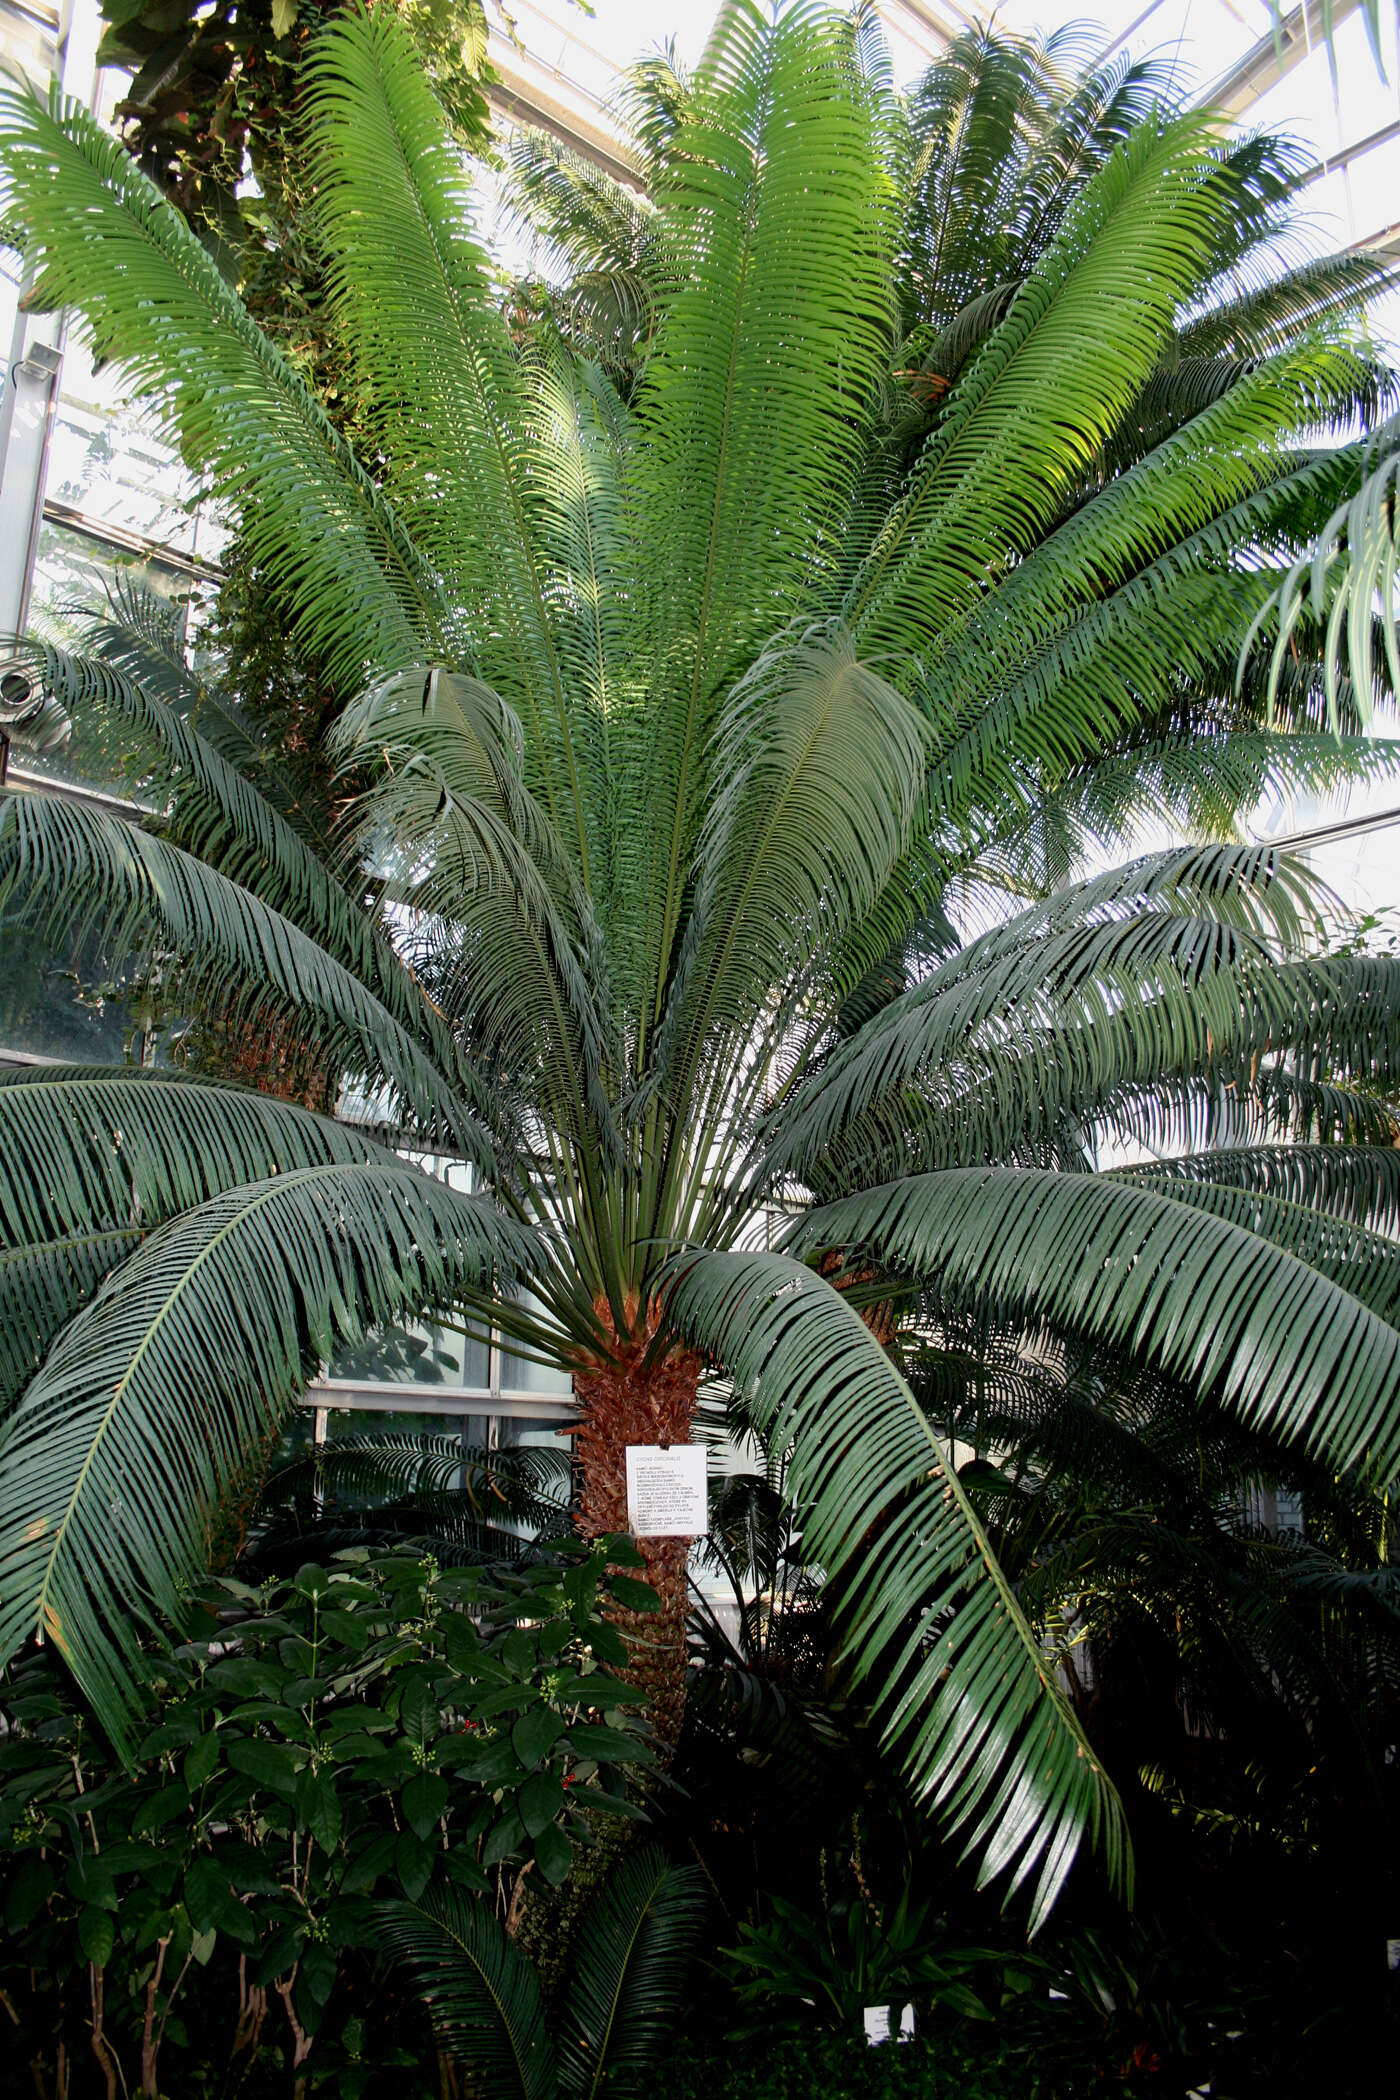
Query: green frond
x=779, y=322
x=1358, y=389
x=634, y=1964
x=215, y=812
x=1236, y=1051
x=1366, y=1264
x=137, y=637
x=1212, y=1304
x=147, y=1408
x=501, y=929
x=960, y=1684
x=1359, y=1184
x=413, y=298
x=1087, y=122
x=818, y=766
x=94, y=1160
x=222, y=816
x=1155, y=954
x=433, y=1474
x=106, y=245
x=482, y=1993
x=1268, y=316
x=1229, y=478
x=968, y=125
x=41, y=1285
x=1197, y=780
x=138, y=1144
x=604, y=266
x=83, y=869
x=581, y=439
x=1045, y=391
x=1351, y=568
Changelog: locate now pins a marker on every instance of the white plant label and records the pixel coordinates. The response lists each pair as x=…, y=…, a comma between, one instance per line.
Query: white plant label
x=666, y=1492
x=878, y=2027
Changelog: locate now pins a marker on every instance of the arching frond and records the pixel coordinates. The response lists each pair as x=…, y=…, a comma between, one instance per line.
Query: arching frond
x=778, y=322
x=107, y=245
x=146, y=1410
x=1197, y=781
x=483, y=1994
x=819, y=764
x=1351, y=570
x=1216, y=1306
x=1268, y=316
x=1365, y=1263
x=216, y=812
x=634, y=1964
x=957, y=1678
x=1160, y=951
x=1358, y=1183
x=1002, y=459
x=502, y=929
x=79, y=867
x=413, y=299
x=95, y=1160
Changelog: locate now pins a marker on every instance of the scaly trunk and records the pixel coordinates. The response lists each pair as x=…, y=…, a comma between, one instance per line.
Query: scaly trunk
x=628, y=1401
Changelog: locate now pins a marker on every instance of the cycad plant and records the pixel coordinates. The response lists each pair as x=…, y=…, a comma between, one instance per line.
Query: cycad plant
x=692, y=724
x=632, y=1960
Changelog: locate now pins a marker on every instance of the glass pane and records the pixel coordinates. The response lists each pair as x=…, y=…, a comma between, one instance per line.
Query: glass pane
x=297, y=1438
x=344, y=1422
x=415, y=1354
x=9, y=297
x=419, y=1352
x=528, y=1429
x=555, y=1484
x=106, y=461
x=441, y=1435
x=72, y=573
x=520, y=1375
x=64, y=1001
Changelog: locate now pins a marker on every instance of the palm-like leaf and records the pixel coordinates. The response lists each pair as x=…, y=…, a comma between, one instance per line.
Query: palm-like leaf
x=147, y=1406
x=394, y=215
x=84, y=864
x=1351, y=569
x=99, y=1161
x=216, y=813
x=956, y=1676
x=633, y=1968
x=1216, y=1305
x=776, y=323
x=227, y=392
x=483, y=1994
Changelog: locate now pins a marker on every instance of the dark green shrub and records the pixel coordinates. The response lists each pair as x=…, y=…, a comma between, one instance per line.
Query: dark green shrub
x=941, y=2068
x=372, y=1728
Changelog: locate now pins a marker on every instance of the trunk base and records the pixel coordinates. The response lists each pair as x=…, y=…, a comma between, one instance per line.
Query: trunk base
x=628, y=1401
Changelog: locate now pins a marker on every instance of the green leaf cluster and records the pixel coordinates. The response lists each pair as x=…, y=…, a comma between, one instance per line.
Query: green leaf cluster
x=377, y=1727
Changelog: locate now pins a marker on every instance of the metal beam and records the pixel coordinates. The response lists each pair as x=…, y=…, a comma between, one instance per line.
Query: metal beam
x=1326, y=834
x=521, y=102
x=1345, y=155
x=26, y=425
x=1299, y=35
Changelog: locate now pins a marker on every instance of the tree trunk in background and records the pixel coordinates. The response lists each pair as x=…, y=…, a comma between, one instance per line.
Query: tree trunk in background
x=627, y=1401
